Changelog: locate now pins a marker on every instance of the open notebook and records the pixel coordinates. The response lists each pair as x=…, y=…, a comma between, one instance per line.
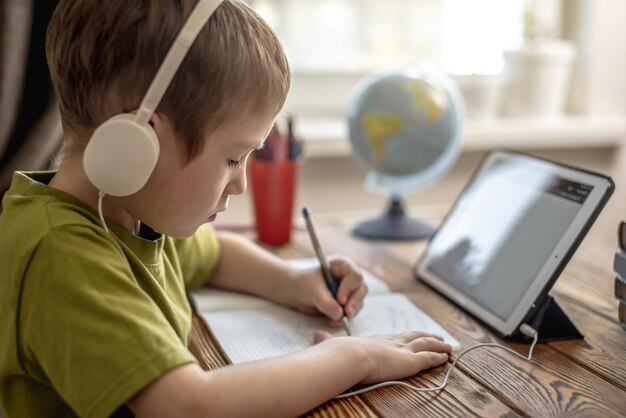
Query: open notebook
x=250, y=328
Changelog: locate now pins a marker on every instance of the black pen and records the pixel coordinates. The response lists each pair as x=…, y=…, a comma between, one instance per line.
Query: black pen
x=328, y=277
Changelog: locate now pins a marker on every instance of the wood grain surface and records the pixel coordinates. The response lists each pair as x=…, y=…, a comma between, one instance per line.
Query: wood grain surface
x=582, y=378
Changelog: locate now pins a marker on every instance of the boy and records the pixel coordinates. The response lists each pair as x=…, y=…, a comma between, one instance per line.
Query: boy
x=95, y=323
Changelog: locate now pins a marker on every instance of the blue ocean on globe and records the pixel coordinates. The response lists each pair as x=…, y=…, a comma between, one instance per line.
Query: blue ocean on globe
x=405, y=125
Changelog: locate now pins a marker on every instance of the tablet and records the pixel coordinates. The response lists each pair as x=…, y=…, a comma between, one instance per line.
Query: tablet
x=509, y=235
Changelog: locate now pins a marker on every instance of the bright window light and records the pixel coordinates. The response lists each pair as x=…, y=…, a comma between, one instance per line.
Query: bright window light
x=476, y=32
x=356, y=36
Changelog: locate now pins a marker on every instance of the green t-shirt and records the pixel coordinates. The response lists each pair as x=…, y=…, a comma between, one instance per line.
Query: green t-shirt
x=88, y=318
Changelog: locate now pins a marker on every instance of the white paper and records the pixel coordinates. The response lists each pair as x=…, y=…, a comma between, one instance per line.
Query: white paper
x=270, y=331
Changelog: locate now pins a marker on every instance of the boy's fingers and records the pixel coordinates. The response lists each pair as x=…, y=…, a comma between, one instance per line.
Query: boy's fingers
x=348, y=285
x=412, y=335
x=353, y=309
x=349, y=281
x=355, y=301
x=320, y=336
x=428, y=359
x=342, y=266
x=335, y=323
x=429, y=344
x=328, y=306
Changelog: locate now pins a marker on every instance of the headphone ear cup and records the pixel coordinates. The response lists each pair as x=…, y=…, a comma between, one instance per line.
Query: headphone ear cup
x=121, y=155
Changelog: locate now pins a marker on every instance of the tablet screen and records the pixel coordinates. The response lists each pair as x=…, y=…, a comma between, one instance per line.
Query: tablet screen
x=503, y=230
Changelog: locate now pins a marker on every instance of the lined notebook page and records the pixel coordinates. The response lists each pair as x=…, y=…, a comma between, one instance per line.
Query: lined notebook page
x=247, y=335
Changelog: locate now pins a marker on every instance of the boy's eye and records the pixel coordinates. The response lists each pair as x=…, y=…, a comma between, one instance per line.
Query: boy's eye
x=234, y=164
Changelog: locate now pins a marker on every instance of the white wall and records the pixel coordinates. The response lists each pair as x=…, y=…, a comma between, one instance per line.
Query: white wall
x=597, y=26
x=605, y=92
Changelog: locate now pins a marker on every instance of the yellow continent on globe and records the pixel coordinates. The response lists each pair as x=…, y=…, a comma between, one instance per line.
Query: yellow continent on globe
x=378, y=129
x=426, y=97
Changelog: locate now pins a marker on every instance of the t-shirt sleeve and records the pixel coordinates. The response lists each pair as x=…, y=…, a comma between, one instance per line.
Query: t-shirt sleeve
x=199, y=256
x=88, y=328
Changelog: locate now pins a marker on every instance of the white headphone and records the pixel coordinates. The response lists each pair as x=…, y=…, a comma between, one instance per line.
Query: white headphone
x=124, y=150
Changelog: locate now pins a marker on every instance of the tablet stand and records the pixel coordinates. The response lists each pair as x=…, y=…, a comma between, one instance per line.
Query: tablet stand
x=551, y=323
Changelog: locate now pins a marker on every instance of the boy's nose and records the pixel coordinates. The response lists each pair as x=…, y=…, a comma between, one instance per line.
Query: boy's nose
x=238, y=184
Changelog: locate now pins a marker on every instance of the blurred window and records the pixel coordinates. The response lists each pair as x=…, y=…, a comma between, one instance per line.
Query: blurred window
x=357, y=36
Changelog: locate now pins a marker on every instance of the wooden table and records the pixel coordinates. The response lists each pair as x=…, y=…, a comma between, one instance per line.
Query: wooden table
x=568, y=378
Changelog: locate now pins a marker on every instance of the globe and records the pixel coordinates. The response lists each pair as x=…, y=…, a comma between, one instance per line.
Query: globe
x=405, y=125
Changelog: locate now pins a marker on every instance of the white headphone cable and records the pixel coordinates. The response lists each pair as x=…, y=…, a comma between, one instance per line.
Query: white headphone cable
x=101, y=195
x=525, y=331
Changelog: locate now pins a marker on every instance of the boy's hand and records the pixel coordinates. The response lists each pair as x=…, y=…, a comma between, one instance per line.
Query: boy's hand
x=313, y=297
x=393, y=357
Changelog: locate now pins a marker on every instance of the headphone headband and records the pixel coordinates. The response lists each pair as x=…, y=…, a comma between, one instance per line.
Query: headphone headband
x=123, y=152
x=187, y=35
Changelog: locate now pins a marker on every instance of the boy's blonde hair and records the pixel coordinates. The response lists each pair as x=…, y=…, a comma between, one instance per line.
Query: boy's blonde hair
x=104, y=54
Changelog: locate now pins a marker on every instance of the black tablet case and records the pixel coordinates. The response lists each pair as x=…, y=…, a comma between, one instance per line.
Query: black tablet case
x=545, y=315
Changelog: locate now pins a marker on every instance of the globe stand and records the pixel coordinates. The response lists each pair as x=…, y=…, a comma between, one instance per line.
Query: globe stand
x=394, y=225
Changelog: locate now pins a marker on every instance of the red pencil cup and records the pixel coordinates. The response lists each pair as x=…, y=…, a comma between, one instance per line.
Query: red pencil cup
x=273, y=190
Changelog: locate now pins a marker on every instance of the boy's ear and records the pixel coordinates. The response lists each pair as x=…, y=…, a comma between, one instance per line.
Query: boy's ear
x=155, y=120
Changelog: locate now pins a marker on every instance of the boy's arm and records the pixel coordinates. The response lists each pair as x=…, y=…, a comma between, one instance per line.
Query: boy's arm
x=246, y=267
x=288, y=385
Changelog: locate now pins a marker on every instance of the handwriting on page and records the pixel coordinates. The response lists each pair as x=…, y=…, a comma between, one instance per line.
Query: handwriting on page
x=247, y=335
